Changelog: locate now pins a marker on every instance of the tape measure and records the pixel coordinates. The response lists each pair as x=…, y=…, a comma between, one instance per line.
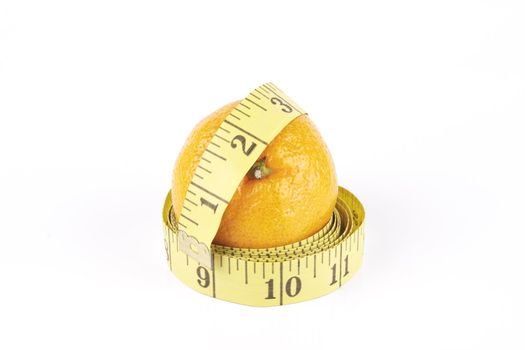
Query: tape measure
x=282, y=275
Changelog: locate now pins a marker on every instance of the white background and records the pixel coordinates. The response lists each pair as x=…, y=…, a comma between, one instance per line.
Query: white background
x=421, y=104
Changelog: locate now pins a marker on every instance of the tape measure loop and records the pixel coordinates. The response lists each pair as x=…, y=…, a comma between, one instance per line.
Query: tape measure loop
x=317, y=265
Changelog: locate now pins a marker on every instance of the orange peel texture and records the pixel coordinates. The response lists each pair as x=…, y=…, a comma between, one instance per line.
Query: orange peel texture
x=292, y=201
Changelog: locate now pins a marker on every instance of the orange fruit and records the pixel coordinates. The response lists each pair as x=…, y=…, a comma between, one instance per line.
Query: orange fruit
x=288, y=195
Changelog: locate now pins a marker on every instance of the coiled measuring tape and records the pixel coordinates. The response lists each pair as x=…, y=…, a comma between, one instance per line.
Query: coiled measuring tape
x=282, y=275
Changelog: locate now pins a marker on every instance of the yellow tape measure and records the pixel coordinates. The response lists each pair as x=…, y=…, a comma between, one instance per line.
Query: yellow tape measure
x=258, y=277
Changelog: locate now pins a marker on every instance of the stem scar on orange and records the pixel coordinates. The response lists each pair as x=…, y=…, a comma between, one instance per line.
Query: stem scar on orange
x=288, y=194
